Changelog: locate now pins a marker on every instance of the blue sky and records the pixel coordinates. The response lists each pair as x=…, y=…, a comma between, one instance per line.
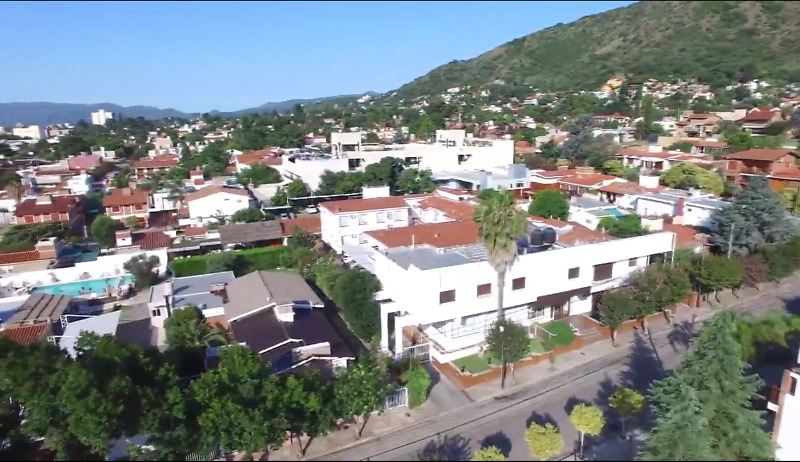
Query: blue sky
x=198, y=56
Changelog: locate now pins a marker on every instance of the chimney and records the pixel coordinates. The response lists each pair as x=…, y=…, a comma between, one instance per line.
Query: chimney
x=220, y=290
x=681, y=205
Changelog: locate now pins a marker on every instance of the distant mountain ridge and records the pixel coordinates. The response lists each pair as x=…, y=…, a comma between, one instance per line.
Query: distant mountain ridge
x=45, y=113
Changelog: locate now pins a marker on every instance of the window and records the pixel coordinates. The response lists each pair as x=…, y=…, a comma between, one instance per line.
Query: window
x=574, y=272
x=484, y=290
x=389, y=215
x=381, y=217
x=157, y=312
x=344, y=221
x=517, y=283
x=115, y=209
x=362, y=239
x=520, y=185
x=447, y=296
x=633, y=261
x=792, y=385
x=362, y=219
x=399, y=216
x=138, y=207
x=55, y=216
x=603, y=272
x=535, y=312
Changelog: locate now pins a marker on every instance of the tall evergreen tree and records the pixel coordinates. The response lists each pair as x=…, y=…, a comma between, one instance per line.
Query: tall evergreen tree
x=714, y=369
x=681, y=429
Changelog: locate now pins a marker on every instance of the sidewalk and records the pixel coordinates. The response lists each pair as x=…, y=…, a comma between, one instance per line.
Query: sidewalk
x=749, y=300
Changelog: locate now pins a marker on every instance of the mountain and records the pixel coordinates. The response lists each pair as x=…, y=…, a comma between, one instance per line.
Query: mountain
x=712, y=41
x=43, y=113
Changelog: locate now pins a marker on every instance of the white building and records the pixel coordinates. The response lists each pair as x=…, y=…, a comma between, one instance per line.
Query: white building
x=80, y=184
x=448, y=293
x=211, y=202
x=27, y=131
x=690, y=208
x=101, y=117
x=785, y=402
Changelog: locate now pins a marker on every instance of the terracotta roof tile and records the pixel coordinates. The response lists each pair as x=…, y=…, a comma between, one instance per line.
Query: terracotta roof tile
x=457, y=192
x=125, y=196
x=9, y=258
x=710, y=144
x=455, y=210
x=84, y=162
x=627, y=187
x=685, y=237
x=193, y=231
x=441, y=235
x=571, y=233
x=151, y=240
x=555, y=173
x=792, y=173
x=364, y=205
x=308, y=223
x=766, y=155
x=162, y=161
x=26, y=334
x=587, y=180
x=760, y=115
x=58, y=204
x=210, y=190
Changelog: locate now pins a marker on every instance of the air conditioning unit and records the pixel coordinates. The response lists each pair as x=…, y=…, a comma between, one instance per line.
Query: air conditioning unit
x=353, y=217
x=439, y=251
x=390, y=226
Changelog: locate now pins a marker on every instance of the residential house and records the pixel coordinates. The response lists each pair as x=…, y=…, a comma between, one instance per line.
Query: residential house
x=121, y=203
x=38, y=317
x=65, y=209
x=689, y=208
x=779, y=165
x=256, y=234
x=562, y=270
x=620, y=119
x=205, y=291
x=213, y=202
x=103, y=324
x=80, y=184
x=344, y=222
x=709, y=147
x=589, y=212
x=84, y=162
x=697, y=125
x=548, y=179
x=757, y=119
x=514, y=178
x=152, y=165
x=271, y=157
x=580, y=184
x=784, y=401
x=654, y=158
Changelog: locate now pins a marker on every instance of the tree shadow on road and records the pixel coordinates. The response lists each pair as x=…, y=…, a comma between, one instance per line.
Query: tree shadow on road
x=792, y=305
x=445, y=448
x=680, y=335
x=643, y=366
x=540, y=419
x=606, y=389
x=499, y=440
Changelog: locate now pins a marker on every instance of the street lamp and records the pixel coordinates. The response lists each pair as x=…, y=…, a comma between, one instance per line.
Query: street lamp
x=502, y=356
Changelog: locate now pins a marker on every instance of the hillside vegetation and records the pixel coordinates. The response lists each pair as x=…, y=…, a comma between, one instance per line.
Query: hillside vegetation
x=713, y=41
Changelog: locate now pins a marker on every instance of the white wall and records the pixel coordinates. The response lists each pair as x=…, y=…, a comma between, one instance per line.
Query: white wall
x=787, y=437
x=336, y=235
x=697, y=216
x=584, y=218
x=648, y=207
x=161, y=202
x=206, y=208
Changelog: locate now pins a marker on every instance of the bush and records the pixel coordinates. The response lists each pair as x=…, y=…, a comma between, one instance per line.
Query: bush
x=417, y=380
x=247, y=261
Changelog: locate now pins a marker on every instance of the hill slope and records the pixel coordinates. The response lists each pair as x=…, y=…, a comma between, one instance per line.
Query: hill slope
x=714, y=41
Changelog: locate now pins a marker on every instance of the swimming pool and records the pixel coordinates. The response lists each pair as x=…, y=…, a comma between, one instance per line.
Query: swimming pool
x=615, y=212
x=88, y=287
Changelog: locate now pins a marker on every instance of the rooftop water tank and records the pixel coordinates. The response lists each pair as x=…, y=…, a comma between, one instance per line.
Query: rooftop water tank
x=537, y=237
x=549, y=236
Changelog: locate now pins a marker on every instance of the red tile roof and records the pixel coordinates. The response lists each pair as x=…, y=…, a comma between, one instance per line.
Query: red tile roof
x=195, y=231
x=710, y=144
x=125, y=196
x=84, y=162
x=571, y=233
x=308, y=223
x=587, y=180
x=766, y=155
x=57, y=204
x=25, y=334
x=364, y=205
x=792, y=173
x=441, y=235
x=152, y=240
x=162, y=161
x=455, y=210
x=760, y=115
x=626, y=187
x=685, y=237
x=9, y=258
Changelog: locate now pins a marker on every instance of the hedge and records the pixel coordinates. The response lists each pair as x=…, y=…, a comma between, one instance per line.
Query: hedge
x=262, y=258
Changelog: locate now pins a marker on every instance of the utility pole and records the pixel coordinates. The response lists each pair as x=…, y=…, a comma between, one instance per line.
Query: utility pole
x=503, y=356
x=730, y=241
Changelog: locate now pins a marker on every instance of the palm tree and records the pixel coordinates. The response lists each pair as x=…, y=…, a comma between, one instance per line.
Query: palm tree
x=176, y=194
x=187, y=329
x=773, y=328
x=500, y=224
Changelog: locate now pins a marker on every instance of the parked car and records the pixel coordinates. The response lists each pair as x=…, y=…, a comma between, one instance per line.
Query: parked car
x=312, y=209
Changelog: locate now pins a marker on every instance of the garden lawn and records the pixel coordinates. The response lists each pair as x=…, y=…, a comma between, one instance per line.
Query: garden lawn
x=563, y=333
x=473, y=364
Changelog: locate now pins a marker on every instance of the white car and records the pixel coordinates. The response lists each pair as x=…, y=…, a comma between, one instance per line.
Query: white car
x=312, y=209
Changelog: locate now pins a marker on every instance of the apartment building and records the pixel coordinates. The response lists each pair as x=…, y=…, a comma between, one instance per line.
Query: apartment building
x=778, y=165
x=152, y=165
x=32, y=132
x=121, y=203
x=101, y=117
x=442, y=286
x=65, y=209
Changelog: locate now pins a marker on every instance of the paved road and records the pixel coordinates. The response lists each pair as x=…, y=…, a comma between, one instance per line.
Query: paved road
x=502, y=420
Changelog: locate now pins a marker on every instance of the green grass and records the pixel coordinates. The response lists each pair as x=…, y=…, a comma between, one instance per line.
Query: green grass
x=473, y=364
x=535, y=347
x=563, y=333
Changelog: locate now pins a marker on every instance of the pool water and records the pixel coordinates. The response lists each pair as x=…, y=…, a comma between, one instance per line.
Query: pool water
x=616, y=212
x=88, y=287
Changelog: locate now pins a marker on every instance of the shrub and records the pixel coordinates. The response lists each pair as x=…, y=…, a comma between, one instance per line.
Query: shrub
x=247, y=261
x=417, y=380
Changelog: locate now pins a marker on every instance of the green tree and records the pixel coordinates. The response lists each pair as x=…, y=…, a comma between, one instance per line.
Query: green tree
x=681, y=428
x=588, y=420
x=500, y=224
x=221, y=261
x=103, y=231
x=656, y=289
x=755, y=270
x=241, y=403
x=625, y=226
x=309, y=406
x=488, y=454
x=301, y=238
x=413, y=181
x=755, y=218
x=774, y=328
x=247, y=215
x=549, y=203
x=544, y=441
x=131, y=222
x=186, y=328
x=417, y=381
x=714, y=369
x=716, y=273
x=362, y=389
x=384, y=173
x=507, y=339
x=178, y=173
x=296, y=189
x=258, y=174
x=353, y=291
x=615, y=308
x=614, y=167
x=144, y=270
x=627, y=402
x=120, y=181
x=687, y=175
